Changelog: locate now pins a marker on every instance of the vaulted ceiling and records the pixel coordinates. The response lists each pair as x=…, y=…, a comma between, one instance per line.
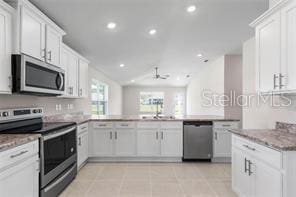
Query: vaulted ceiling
x=217, y=27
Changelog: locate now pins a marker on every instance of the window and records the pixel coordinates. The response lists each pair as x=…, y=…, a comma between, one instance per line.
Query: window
x=99, y=98
x=179, y=104
x=151, y=102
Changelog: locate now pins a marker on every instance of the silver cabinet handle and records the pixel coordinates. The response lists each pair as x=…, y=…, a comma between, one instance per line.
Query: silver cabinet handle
x=281, y=80
x=246, y=168
x=216, y=136
x=226, y=125
x=162, y=135
x=124, y=125
x=248, y=147
x=110, y=135
x=18, y=154
x=116, y=135
x=43, y=52
x=275, y=77
x=156, y=135
x=10, y=82
x=80, y=92
x=49, y=53
x=79, y=141
x=250, y=167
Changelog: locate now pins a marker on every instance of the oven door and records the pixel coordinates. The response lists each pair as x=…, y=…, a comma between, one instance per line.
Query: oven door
x=35, y=76
x=58, y=152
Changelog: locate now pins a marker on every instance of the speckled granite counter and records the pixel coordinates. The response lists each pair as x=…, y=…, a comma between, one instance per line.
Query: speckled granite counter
x=79, y=118
x=8, y=141
x=282, y=138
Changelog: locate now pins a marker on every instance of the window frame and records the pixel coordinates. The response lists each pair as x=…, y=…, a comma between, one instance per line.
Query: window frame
x=105, y=100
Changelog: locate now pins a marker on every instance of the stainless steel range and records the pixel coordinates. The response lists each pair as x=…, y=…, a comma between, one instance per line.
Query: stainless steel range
x=58, y=154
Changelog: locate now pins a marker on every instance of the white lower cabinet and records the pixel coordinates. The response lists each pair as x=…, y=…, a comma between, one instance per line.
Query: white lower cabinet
x=82, y=144
x=128, y=139
x=148, y=143
x=252, y=174
x=20, y=174
x=125, y=142
x=172, y=143
x=222, y=139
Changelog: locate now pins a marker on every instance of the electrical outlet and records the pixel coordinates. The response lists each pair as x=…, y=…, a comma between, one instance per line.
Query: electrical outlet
x=60, y=107
x=57, y=107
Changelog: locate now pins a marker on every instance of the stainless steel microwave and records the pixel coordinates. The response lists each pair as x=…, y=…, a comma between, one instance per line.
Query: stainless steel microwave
x=35, y=77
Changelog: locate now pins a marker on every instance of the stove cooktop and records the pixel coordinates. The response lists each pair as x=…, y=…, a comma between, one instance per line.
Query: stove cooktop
x=33, y=126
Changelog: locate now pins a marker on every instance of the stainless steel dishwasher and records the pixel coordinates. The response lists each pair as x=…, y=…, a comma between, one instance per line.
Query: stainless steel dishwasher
x=198, y=140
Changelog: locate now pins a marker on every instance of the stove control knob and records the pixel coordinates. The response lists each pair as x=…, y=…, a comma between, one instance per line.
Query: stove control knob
x=40, y=110
x=35, y=111
x=5, y=114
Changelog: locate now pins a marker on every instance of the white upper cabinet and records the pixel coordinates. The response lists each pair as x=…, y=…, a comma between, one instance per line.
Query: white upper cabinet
x=83, y=78
x=32, y=34
x=276, y=48
x=288, y=16
x=5, y=47
x=36, y=35
x=76, y=68
x=53, y=46
x=268, y=53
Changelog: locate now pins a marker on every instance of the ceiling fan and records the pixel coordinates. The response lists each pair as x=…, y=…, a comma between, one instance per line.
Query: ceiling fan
x=158, y=76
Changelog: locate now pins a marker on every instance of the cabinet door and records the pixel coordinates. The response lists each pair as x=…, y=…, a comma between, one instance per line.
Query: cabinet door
x=53, y=46
x=72, y=71
x=83, y=78
x=268, y=48
x=102, y=143
x=288, y=69
x=222, y=143
x=266, y=176
x=171, y=143
x=148, y=143
x=125, y=142
x=82, y=146
x=64, y=65
x=21, y=179
x=5, y=51
x=32, y=34
x=241, y=181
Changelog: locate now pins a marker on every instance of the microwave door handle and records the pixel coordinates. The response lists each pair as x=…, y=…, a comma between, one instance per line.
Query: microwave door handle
x=54, y=135
x=62, y=81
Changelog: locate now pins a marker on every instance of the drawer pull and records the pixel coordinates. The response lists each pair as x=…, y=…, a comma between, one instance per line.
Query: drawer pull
x=250, y=165
x=18, y=154
x=124, y=125
x=102, y=125
x=248, y=147
x=226, y=125
x=83, y=128
x=246, y=169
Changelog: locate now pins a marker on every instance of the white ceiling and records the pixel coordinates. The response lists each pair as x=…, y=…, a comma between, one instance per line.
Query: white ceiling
x=217, y=27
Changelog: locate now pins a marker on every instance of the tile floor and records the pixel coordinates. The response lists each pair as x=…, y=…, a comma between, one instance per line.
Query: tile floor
x=152, y=180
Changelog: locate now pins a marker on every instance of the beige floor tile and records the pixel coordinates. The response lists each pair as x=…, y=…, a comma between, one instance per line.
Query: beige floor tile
x=88, y=173
x=166, y=187
x=135, y=188
x=162, y=172
x=77, y=188
x=187, y=172
x=137, y=173
x=104, y=187
x=196, y=187
x=111, y=173
x=222, y=188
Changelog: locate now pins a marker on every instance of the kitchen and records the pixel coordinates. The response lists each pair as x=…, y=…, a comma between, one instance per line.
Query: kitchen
x=168, y=98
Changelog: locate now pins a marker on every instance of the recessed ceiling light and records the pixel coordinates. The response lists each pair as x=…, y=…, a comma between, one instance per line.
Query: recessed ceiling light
x=199, y=55
x=191, y=8
x=121, y=65
x=132, y=80
x=152, y=32
x=111, y=25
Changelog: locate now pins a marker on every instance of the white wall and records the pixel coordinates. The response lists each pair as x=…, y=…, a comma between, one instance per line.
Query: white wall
x=131, y=98
x=262, y=116
x=233, y=84
x=210, y=77
x=272, y=2
x=49, y=103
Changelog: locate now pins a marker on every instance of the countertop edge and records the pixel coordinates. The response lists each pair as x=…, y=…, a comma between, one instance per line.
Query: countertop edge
x=18, y=140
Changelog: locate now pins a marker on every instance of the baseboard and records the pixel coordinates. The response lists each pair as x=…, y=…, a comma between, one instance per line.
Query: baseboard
x=135, y=159
x=221, y=160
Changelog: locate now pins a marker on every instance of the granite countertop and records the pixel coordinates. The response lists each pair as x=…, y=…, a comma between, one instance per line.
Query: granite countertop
x=8, y=141
x=274, y=138
x=79, y=118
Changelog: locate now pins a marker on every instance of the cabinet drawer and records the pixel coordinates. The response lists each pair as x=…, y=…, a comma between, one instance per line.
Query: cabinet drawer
x=102, y=125
x=268, y=155
x=82, y=128
x=125, y=125
x=148, y=125
x=226, y=125
x=171, y=125
x=16, y=154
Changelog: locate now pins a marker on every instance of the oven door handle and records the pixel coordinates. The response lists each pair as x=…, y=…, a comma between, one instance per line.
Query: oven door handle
x=54, y=135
